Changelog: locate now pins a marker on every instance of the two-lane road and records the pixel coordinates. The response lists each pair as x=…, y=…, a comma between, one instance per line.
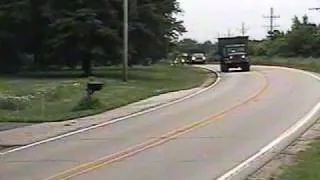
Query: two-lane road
x=198, y=139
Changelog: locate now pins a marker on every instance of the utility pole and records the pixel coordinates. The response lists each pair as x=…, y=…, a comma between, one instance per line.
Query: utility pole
x=125, y=39
x=229, y=33
x=217, y=37
x=244, y=29
x=272, y=18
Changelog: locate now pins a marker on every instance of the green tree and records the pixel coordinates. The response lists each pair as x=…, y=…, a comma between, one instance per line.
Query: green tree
x=13, y=39
x=302, y=40
x=153, y=27
x=83, y=31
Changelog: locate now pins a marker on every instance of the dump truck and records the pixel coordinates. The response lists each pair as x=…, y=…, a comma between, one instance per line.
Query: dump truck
x=233, y=53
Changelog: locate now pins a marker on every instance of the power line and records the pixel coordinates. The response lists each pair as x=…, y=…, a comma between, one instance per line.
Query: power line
x=317, y=9
x=220, y=35
x=271, y=18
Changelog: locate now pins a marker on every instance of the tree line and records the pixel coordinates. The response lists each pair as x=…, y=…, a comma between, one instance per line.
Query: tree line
x=42, y=33
x=188, y=45
x=303, y=40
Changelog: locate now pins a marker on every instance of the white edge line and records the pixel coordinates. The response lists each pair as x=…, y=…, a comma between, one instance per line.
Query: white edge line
x=118, y=119
x=236, y=170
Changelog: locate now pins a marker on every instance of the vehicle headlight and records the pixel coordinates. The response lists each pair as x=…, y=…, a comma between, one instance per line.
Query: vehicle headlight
x=182, y=60
x=193, y=58
x=231, y=57
x=243, y=56
x=204, y=58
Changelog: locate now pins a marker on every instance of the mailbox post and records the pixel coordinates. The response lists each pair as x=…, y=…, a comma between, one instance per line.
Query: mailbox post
x=92, y=87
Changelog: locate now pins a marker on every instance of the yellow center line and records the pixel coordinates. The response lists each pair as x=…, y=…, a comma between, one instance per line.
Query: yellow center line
x=131, y=151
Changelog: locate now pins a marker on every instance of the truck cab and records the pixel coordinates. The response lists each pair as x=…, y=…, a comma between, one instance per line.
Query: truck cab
x=233, y=53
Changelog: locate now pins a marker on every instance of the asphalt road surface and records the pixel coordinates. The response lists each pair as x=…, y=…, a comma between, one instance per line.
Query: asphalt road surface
x=198, y=139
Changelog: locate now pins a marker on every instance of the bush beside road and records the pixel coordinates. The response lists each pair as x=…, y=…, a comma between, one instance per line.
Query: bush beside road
x=308, y=64
x=57, y=96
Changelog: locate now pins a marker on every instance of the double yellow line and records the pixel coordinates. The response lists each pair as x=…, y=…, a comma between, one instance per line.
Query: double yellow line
x=129, y=152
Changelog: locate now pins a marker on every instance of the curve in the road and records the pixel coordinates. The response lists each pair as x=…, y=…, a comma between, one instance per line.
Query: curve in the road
x=301, y=125
x=119, y=156
x=202, y=143
x=218, y=79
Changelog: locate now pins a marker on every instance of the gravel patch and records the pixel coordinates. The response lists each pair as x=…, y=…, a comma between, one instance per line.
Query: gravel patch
x=8, y=126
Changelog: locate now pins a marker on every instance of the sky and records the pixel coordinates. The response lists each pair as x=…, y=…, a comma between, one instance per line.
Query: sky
x=206, y=19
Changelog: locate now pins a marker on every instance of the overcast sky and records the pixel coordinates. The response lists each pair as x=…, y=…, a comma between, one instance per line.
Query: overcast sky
x=204, y=19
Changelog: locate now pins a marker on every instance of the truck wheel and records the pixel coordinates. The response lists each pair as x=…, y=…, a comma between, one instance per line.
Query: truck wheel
x=246, y=67
x=224, y=68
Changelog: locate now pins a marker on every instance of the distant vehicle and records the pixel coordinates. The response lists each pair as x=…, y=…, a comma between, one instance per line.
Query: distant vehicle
x=182, y=58
x=198, y=58
x=233, y=53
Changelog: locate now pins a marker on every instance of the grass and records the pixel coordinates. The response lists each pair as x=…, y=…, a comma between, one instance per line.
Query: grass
x=307, y=166
x=58, y=96
x=308, y=64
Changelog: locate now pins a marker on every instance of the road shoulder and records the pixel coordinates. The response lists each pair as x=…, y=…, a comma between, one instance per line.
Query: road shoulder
x=276, y=166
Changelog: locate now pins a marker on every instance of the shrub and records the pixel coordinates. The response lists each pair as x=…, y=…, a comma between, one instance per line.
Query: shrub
x=88, y=104
x=14, y=103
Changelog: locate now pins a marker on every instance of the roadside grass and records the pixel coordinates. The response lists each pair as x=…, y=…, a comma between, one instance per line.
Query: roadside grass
x=58, y=96
x=307, y=166
x=308, y=64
